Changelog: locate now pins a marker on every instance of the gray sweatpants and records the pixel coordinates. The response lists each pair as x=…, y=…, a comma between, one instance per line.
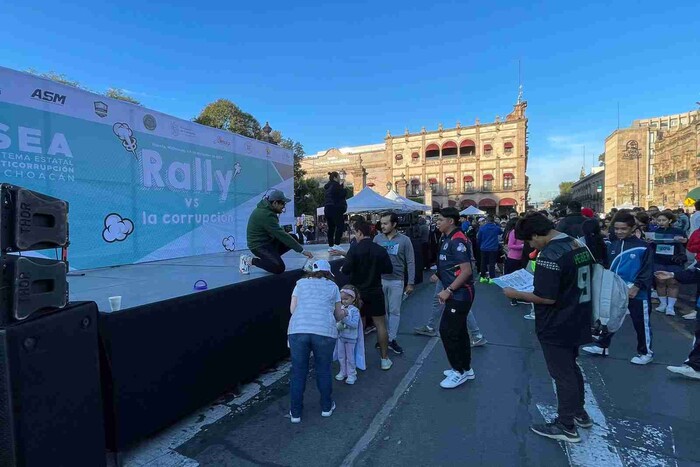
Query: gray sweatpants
x=393, y=296
x=472, y=325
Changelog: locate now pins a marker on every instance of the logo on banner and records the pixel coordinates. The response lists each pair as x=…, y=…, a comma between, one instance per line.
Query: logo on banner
x=126, y=136
x=229, y=243
x=222, y=141
x=116, y=228
x=149, y=121
x=178, y=130
x=101, y=109
x=48, y=96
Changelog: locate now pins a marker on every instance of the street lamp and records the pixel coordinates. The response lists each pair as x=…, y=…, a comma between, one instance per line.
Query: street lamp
x=342, y=175
x=388, y=186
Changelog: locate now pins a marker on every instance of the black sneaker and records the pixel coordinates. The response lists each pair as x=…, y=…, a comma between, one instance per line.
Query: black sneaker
x=583, y=420
x=395, y=347
x=555, y=430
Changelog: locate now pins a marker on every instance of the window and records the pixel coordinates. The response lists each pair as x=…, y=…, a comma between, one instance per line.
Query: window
x=467, y=148
x=432, y=151
x=449, y=149
x=450, y=183
x=468, y=181
x=415, y=156
x=398, y=157
x=415, y=187
x=508, y=181
x=488, y=149
x=508, y=147
x=433, y=184
x=488, y=183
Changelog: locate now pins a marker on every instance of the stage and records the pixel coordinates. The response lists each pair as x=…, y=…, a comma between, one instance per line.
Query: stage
x=145, y=283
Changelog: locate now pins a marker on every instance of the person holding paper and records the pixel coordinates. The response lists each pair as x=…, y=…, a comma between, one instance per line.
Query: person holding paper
x=631, y=258
x=669, y=255
x=562, y=297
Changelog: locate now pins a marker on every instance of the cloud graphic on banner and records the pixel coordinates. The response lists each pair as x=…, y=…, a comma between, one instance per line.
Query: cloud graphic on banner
x=117, y=229
x=229, y=243
x=126, y=136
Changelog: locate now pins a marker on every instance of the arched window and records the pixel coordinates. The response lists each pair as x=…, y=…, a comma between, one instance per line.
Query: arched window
x=468, y=181
x=449, y=149
x=467, y=148
x=415, y=156
x=432, y=150
x=488, y=183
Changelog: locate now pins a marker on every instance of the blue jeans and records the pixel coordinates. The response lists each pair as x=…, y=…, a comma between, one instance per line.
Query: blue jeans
x=301, y=346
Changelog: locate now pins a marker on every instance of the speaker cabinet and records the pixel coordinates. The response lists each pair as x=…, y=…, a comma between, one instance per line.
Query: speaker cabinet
x=50, y=400
x=30, y=287
x=31, y=220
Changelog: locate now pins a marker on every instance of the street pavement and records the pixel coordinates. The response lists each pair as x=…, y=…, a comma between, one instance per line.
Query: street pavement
x=644, y=416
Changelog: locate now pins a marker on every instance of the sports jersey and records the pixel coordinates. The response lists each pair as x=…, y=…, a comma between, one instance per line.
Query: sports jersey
x=563, y=274
x=455, y=249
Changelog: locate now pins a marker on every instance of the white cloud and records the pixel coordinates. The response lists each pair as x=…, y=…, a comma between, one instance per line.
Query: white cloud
x=560, y=161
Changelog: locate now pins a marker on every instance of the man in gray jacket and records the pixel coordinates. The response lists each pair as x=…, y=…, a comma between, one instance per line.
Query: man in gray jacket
x=400, y=251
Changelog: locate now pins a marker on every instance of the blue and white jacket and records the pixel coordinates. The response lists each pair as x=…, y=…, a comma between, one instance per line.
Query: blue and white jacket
x=632, y=260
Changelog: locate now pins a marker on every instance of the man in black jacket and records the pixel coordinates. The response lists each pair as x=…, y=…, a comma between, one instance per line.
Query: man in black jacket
x=572, y=223
x=365, y=262
x=334, y=207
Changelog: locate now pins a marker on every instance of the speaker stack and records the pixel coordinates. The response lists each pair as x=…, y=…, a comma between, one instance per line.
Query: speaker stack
x=50, y=400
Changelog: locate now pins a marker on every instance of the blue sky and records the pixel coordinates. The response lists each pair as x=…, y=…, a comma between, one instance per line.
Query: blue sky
x=340, y=74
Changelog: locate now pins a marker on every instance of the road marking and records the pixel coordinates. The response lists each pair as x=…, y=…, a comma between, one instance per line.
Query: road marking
x=600, y=444
x=388, y=406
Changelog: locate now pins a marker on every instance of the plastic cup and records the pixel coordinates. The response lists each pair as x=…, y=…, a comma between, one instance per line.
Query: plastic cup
x=115, y=303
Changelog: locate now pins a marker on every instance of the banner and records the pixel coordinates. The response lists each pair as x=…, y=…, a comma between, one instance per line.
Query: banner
x=141, y=185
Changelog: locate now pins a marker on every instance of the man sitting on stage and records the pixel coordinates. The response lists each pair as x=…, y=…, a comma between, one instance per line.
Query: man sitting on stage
x=266, y=238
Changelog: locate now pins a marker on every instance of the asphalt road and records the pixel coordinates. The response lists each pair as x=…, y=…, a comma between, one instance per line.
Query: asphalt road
x=644, y=416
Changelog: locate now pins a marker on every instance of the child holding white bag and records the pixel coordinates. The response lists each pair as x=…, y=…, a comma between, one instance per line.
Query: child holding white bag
x=350, y=348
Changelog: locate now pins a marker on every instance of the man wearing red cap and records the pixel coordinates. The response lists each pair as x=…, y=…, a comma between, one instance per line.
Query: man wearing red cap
x=587, y=212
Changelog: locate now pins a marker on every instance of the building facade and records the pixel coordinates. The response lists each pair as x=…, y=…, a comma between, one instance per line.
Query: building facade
x=677, y=164
x=590, y=190
x=482, y=165
x=629, y=160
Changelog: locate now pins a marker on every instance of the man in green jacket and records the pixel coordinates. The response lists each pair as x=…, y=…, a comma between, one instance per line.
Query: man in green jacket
x=267, y=240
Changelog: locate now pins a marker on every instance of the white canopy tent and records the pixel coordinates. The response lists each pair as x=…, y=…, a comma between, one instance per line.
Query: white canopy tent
x=410, y=205
x=369, y=200
x=472, y=211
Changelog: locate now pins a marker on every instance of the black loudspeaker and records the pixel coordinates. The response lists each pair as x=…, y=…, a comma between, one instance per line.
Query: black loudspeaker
x=31, y=220
x=50, y=400
x=30, y=287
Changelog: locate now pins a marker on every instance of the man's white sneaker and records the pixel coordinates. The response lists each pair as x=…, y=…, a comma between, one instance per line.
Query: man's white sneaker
x=386, y=363
x=340, y=376
x=294, y=419
x=684, y=370
x=670, y=312
x=661, y=308
x=351, y=380
x=642, y=359
x=448, y=372
x=595, y=350
x=330, y=412
x=244, y=264
x=456, y=379
x=692, y=315
x=530, y=316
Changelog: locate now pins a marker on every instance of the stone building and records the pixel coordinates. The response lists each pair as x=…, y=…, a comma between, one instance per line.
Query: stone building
x=482, y=165
x=590, y=190
x=677, y=164
x=629, y=160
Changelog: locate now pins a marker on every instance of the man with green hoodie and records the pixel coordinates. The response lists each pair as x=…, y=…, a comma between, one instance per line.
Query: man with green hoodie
x=267, y=240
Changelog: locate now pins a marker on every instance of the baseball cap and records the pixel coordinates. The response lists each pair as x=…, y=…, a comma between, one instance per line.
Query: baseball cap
x=276, y=195
x=322, y=265
x=587, y=212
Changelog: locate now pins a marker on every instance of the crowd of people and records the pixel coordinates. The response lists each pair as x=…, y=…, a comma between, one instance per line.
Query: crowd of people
x=651, y=250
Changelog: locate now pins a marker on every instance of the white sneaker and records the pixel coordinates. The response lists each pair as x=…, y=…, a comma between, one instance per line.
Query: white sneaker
x=692, y=315
x=330, y=412
x=448, y=372
x=530, y=316
x=244, y=264
x=294, y=419
x=351, y=380
x=684, y=370
x=642, y=359
x=670, y=312
x=340, y=376
x=338, y=249
x=661, y=308
x=330, y=249
x=386, y=363
x=595, y=350
x=654, y=294
x=456, y=379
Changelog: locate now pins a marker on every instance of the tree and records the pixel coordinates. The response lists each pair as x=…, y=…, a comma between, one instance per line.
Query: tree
x=225, y=115
x=308, y=196
x=120, y=94
x=601, y=159
x=565, y=187
x=560, y=202
x=57, y=77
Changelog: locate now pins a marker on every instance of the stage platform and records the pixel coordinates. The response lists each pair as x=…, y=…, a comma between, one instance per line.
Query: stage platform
x=145, y=283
